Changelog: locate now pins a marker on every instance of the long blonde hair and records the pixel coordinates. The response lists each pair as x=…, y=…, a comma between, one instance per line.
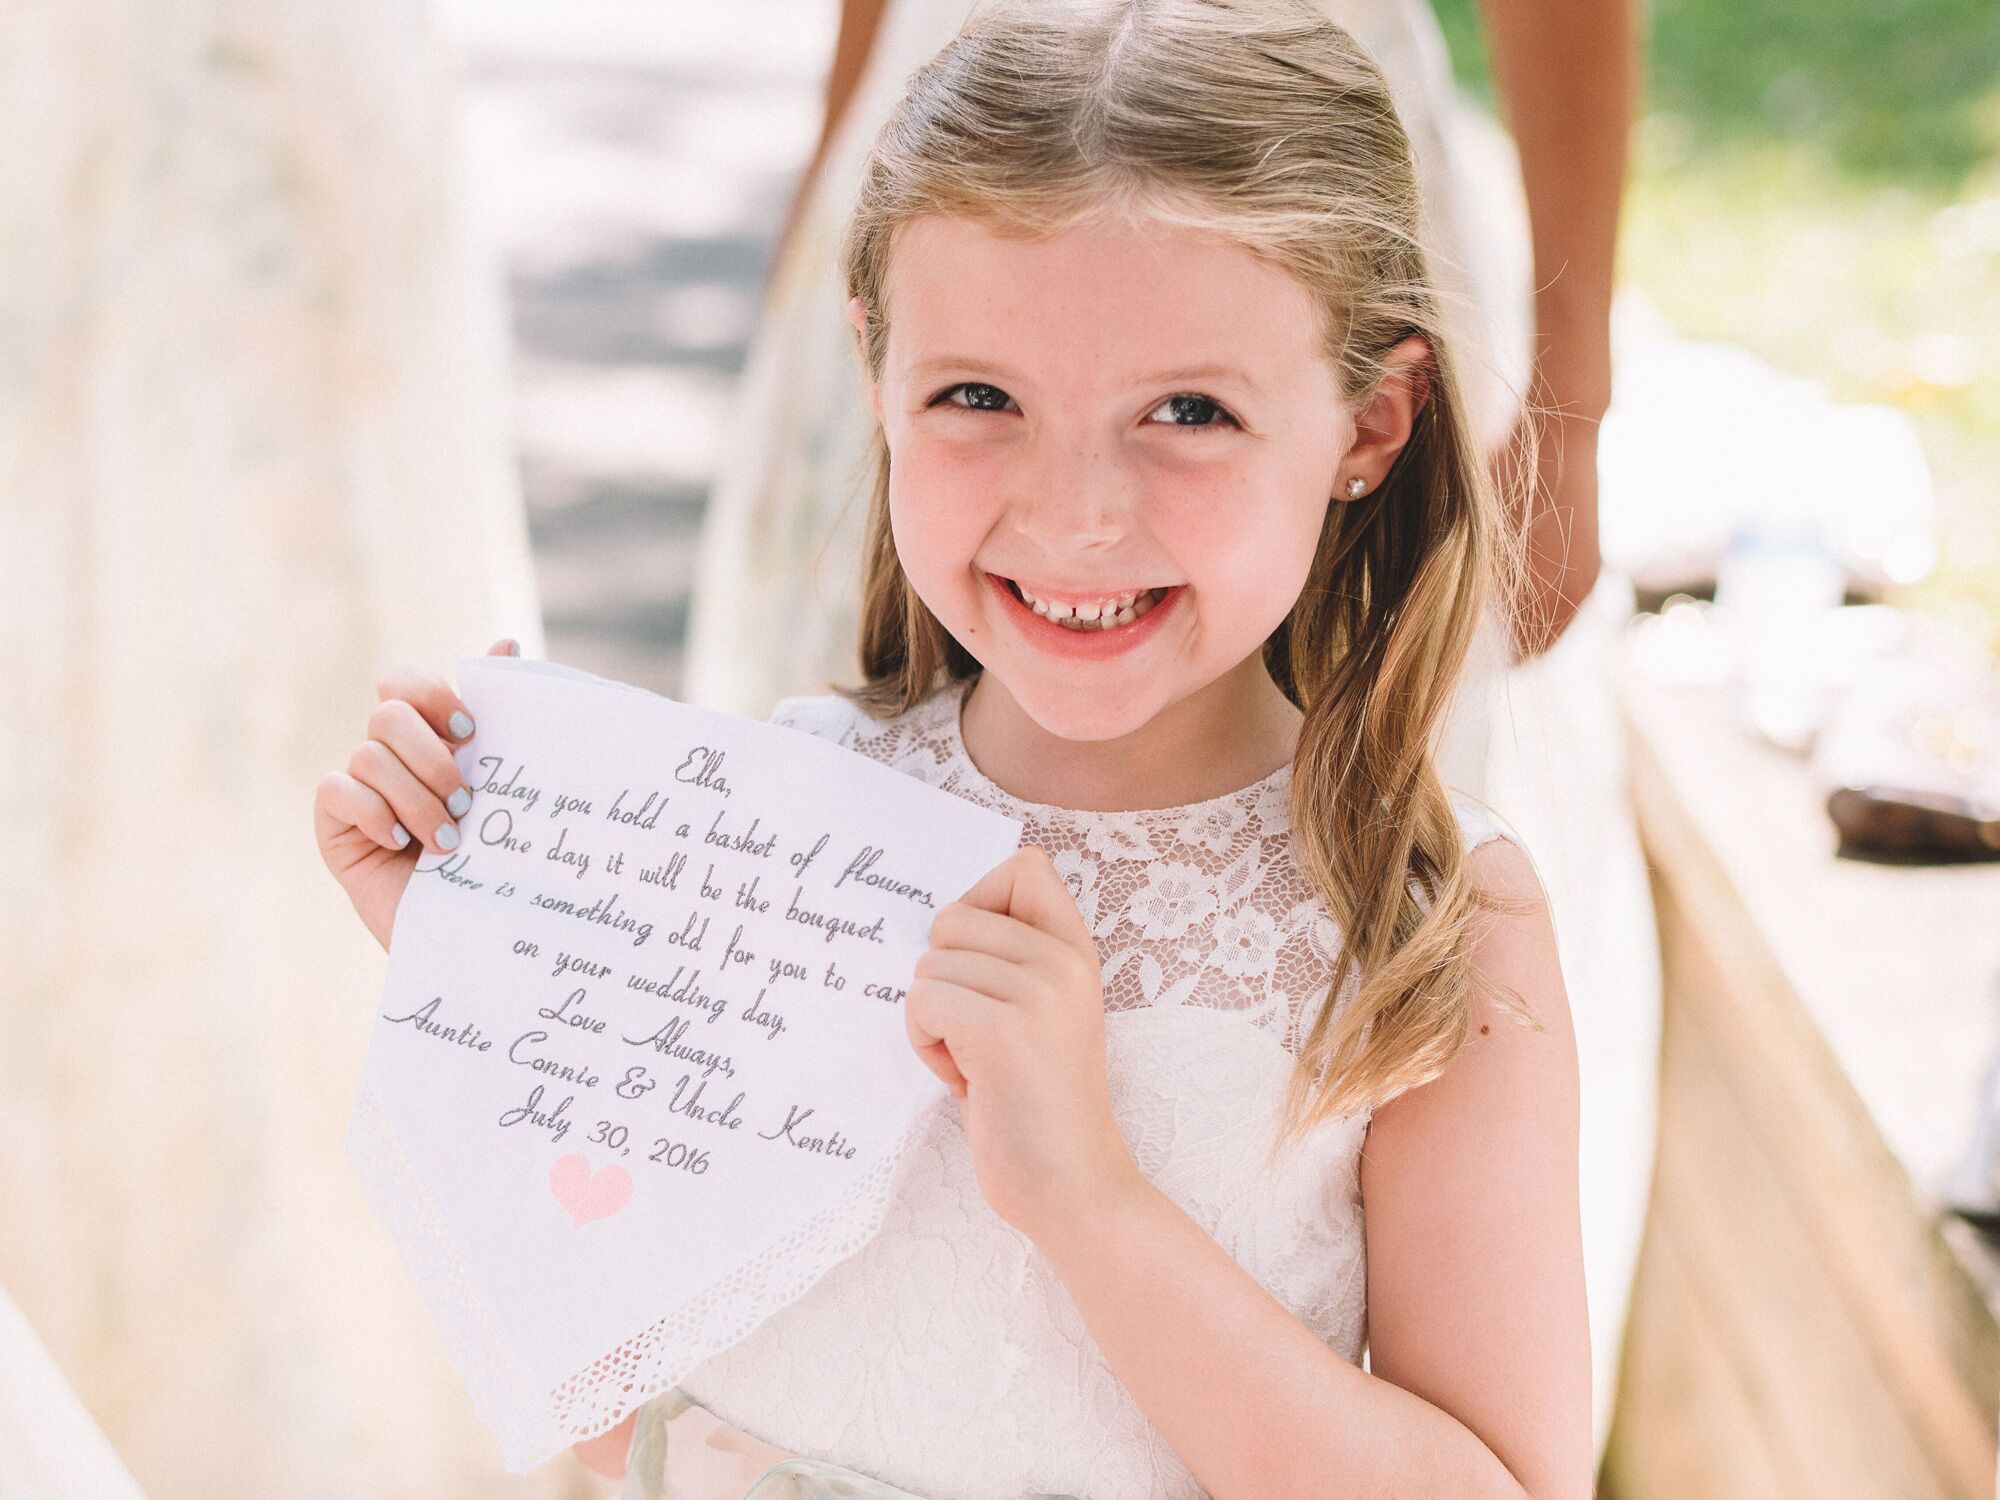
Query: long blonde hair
x=1262, y=123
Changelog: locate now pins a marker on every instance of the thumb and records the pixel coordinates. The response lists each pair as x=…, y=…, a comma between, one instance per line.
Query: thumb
x=506, y=646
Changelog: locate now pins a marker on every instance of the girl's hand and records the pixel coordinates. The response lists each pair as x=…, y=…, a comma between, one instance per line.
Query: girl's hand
x=400, y=794
x=1007, y=1007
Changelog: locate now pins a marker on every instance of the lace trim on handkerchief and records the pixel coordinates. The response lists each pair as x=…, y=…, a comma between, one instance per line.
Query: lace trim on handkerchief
x=501, y=1392
x=535, y=1425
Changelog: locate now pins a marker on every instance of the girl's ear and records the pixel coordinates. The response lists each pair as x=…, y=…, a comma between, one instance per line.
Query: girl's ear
x=1383, y=428
x=857, y=314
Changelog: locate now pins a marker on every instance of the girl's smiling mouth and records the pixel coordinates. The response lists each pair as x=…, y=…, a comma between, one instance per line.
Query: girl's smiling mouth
x=1092, y=628
x=1099, y=611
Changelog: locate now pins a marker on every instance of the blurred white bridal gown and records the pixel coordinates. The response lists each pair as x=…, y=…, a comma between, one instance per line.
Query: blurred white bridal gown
x=776, y=602
x=49, y=1447
x=253, y=450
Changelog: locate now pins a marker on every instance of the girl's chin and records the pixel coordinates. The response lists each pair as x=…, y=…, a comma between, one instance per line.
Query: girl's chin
x=1075, y=708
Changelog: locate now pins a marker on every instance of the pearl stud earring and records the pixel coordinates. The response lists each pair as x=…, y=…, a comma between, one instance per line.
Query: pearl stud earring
x=1356, y=487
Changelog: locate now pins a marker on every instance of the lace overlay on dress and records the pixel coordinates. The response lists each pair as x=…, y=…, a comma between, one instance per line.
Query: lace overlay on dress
x=945, y=1356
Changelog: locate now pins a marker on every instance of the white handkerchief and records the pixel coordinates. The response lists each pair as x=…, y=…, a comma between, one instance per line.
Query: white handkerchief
x=640, y=1076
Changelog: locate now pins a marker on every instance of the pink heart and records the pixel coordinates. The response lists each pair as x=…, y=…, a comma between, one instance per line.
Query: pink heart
x=586, y=1197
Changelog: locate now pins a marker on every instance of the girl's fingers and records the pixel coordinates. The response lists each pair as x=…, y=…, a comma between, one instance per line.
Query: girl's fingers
x=963, y=925
x=983, y=973
x=1026, y=887
x=347, y=803
x=432, y=697
x=398, y=725
x=946, y=1021
x=937, y=1057
x=418, y=808
x=401, y=784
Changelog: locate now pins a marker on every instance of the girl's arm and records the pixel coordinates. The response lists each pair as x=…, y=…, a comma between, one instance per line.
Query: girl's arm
x=852, y=43
x=1566, y=74
x=1479, y=1335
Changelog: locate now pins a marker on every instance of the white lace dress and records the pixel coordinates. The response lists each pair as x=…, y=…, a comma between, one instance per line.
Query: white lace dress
x=945, y=1356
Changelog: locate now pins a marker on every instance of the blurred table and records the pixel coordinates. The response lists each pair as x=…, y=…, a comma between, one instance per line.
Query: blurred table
x=1806, y=1320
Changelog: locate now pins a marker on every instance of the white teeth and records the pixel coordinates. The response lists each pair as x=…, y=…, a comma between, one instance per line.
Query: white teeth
x=1109, y=604
x=1102, y=614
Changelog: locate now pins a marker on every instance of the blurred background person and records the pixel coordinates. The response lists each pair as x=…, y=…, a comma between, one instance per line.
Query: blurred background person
x=253, y=450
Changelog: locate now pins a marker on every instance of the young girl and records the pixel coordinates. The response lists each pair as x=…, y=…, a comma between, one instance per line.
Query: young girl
x=1258, y=1051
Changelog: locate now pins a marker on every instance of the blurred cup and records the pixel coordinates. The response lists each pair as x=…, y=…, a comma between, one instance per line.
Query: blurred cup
x=1775, y=584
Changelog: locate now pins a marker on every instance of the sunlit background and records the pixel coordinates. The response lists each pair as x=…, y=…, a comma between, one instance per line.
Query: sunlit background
x=1820, y=186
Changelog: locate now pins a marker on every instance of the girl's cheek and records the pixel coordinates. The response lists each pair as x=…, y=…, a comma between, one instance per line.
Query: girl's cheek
x=1244, y=536
x=938, y=509
x=953, y=486
x=1202, y=512
x=959, y=466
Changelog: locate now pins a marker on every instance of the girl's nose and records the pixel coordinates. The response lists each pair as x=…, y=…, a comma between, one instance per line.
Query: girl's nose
x=1077, y=501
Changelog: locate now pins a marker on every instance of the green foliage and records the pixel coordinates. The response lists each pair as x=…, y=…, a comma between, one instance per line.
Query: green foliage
x=1820, y=183
x=1896, y=90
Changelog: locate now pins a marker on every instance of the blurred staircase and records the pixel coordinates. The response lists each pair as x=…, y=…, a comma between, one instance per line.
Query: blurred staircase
x=632, y=163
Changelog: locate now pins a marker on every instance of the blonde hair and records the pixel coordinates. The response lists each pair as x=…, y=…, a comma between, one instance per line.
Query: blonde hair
x=1261, y=123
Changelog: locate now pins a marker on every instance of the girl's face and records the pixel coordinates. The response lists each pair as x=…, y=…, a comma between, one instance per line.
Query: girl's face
x=1125, y=423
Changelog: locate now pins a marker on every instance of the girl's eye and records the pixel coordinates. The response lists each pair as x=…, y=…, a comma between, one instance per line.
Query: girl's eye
x=991, y=399
x=1188, y=410
x=977, y=397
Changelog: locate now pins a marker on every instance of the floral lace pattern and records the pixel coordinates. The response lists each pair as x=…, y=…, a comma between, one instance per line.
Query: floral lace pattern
x=945, y=1356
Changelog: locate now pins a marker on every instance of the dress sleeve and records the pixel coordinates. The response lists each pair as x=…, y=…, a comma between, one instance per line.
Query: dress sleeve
x=1481, y=824
x=827, y=715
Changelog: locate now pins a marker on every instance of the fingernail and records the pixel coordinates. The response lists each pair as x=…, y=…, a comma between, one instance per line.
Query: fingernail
x=459, y=802
x=460, y=725
x=401, y=835
x=513, y=648
x=447, y=836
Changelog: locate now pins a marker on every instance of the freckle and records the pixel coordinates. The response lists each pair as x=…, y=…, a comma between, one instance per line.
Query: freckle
x=1484, y=1029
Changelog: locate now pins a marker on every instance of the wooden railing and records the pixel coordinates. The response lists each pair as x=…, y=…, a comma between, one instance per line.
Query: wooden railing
x=1807, y=1320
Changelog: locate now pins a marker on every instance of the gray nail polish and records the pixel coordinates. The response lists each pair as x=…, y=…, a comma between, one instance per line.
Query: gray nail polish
x=401, y=835
x=447, y=836
x=460, y=726
x=459, y=803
